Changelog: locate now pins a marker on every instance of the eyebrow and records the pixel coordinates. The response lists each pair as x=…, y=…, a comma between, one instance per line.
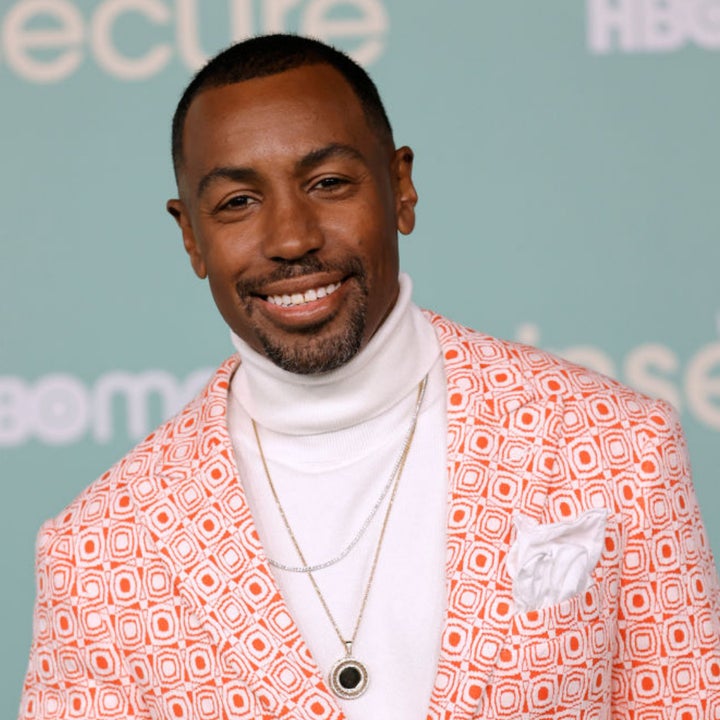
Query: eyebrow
x=236, y=174
x=334, y=150
x=307, y=162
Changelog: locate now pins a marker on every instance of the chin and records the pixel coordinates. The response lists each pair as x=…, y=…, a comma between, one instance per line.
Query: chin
x=317, y=352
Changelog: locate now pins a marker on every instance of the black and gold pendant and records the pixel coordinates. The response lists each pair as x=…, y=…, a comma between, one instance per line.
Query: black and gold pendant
x=348, y=678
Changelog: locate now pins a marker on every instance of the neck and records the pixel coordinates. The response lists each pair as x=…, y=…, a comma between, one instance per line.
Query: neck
x=393, y=362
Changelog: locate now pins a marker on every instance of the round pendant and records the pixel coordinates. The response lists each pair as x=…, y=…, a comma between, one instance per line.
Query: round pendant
x=348, y=678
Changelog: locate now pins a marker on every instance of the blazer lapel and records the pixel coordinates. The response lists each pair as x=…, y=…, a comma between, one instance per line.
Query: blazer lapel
x=200, y=522
x=502, y=443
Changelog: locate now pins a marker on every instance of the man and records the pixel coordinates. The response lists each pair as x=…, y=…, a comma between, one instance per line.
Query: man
x=370, y=512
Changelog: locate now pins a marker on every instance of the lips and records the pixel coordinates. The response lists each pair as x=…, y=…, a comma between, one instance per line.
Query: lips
x=303, y=294
x=301, y=298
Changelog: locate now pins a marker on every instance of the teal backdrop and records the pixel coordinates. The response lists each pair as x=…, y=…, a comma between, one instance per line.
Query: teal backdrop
x=568, y=169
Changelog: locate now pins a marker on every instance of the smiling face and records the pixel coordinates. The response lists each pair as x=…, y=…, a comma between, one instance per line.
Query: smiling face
x=290, y=205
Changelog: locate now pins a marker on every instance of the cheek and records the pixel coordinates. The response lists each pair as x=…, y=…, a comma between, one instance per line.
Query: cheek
x=224, y=295
x=223, y=271
x=382, y=252
x=375, y=243
x=382, y=266
x=226, y=257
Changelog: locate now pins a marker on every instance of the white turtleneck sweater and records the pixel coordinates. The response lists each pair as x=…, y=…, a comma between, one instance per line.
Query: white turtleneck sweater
x=331, y=441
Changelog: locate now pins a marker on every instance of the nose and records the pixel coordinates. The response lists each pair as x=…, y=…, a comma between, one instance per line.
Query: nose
x=292, y=228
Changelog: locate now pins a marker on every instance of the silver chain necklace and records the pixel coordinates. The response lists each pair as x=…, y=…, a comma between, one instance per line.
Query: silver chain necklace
x=348, y=677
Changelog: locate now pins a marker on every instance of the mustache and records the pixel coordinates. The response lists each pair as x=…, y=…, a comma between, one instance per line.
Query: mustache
x=306, y=265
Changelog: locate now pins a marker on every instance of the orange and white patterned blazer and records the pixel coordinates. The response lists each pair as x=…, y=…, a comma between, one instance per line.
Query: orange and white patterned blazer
x=155, y=600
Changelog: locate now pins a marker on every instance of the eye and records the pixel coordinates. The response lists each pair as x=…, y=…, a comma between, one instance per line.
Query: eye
x=236, y=207
x=330, y=183
x=236, y=202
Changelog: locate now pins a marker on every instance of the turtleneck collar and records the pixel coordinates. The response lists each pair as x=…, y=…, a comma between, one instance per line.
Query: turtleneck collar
x=389, y=367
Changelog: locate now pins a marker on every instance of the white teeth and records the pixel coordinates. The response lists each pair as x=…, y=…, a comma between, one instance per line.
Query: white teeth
x=302, y=298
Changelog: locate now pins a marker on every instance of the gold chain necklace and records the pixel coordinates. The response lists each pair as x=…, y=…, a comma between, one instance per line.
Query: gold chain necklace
x=348, y=677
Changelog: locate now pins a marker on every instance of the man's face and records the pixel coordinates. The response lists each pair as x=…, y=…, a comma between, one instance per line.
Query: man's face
x=290, y=205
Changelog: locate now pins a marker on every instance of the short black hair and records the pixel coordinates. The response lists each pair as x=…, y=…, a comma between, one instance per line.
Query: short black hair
x=269, y=55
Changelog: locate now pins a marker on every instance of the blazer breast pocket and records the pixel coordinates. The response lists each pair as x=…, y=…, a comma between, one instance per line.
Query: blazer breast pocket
x=559, y=656
x=581, y=624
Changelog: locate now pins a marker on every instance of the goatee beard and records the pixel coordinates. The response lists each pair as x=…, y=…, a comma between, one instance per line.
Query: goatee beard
x=315, y=351
x=319, y=354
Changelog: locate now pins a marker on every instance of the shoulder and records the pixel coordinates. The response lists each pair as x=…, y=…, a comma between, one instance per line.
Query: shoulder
x=584, y=439
x=516, y=375
x=131, y=484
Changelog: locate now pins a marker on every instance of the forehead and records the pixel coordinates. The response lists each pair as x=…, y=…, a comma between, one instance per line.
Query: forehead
x=293, y=111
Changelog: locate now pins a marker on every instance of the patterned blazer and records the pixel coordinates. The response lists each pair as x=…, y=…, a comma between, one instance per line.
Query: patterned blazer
x=155, y=600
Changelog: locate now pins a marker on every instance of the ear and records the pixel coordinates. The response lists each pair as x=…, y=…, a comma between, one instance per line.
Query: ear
x=405, y=194
x=177, y=209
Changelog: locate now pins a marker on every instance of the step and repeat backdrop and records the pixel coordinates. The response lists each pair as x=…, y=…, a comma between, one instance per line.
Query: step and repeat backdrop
x=568, y=168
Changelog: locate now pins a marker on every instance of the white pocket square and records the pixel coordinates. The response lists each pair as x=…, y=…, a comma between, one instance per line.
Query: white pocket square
x=550, y=563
